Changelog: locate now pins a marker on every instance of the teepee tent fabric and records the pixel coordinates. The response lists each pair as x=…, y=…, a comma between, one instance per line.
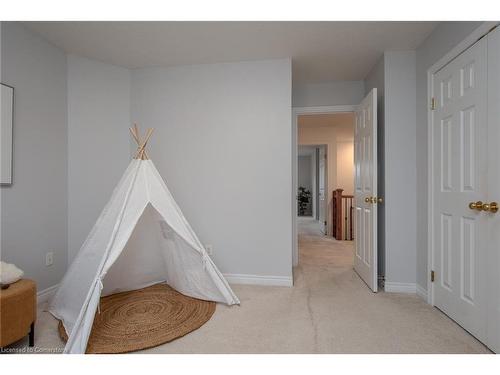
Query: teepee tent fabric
x=141, y=238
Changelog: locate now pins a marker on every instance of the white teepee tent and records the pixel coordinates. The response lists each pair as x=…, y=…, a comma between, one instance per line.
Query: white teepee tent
x=141, y=238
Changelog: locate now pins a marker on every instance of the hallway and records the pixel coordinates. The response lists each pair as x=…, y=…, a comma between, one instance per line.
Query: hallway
x=316, y=249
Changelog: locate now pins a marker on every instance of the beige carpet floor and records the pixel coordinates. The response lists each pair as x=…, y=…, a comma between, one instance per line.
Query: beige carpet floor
x=329, y=310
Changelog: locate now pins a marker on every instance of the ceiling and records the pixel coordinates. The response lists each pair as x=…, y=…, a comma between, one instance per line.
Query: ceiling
x=326, y=119
x=342, y=124
x=320, y=51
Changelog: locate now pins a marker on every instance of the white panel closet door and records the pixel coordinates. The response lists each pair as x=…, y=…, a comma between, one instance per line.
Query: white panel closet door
x=493, y=331
x=365, y=190
x=460, y=176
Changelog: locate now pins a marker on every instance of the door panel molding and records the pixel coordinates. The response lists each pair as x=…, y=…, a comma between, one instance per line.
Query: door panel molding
x=470, y=177
x=451, y=55
x=365, y=191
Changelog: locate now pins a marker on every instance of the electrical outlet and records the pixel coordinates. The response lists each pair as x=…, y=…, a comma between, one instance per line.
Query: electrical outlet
x=209, y=249
x=49, y=258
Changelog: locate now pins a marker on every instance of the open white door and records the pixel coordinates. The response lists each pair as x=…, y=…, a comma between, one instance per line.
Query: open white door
x=365, y=190
x=323, y=202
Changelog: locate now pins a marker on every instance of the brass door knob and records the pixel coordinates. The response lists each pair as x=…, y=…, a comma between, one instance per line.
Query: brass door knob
x=490, y=207
x=373, y=200
x=476, y=205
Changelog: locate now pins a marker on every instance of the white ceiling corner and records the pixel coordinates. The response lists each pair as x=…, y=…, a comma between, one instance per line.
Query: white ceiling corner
x=320, y=51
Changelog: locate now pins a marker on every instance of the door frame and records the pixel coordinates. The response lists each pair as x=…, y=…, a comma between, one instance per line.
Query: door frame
x=317, y=146
x=324, y=148
x=482, y=30
x=296, y=112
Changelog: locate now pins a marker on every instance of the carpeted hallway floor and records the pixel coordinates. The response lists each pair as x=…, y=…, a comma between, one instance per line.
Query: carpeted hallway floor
x=329, y=310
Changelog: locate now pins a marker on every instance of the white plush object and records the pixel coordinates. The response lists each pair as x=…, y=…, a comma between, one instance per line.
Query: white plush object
x=9, y=273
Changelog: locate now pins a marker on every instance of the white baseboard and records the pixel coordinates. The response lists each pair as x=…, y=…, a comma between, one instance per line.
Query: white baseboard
x=45, y=295
x=400, y=287
x=421, y=292
x=233, y=278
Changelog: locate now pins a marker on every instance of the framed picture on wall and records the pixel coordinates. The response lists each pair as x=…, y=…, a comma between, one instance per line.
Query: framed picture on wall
x=6, y=129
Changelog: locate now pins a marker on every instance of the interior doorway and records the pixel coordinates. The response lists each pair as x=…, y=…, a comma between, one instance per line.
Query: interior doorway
x=355, y=126
x=312, y=185
x=325, y=164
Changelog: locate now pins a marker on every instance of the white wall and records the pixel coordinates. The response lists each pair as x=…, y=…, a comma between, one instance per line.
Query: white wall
x=376, y=79
x=223, y=144
x=98, y=141
x=441, y=41
x=328, y=93
x=345, y=166
x=394, y=77
x=34, y=208
x=400, y=174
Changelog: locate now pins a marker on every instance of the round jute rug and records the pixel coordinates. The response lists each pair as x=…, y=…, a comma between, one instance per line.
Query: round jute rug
x=144, y=318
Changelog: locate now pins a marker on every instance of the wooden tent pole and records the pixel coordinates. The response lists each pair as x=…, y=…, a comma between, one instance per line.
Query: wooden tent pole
x=137, y=140
x=141, y=151
x=134, y=135
x=143, y=147
x=136, y=130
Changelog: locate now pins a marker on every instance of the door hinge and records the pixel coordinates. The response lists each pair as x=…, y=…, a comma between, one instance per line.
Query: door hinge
x=433, y=103
x=381, y=280
x=432, y=276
